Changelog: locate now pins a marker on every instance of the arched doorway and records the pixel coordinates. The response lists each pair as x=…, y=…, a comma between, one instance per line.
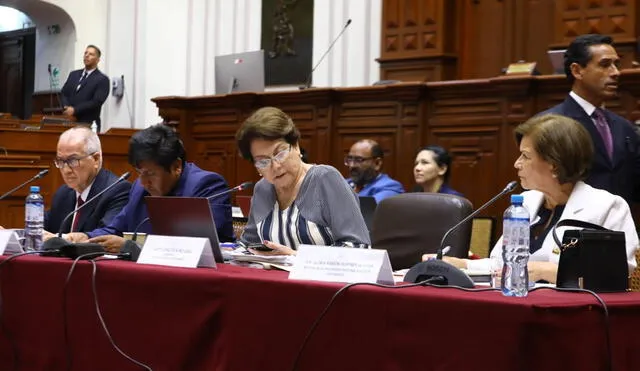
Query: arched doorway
x=40, y=61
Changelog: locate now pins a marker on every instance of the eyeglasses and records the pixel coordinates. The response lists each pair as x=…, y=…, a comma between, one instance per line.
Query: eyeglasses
x=279, y=157
x=72, y=162
x=356, y=160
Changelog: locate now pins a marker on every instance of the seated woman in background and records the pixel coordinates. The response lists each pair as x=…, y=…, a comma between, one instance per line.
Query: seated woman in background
x=294, y=203
x=555, y=156
x=431, y=171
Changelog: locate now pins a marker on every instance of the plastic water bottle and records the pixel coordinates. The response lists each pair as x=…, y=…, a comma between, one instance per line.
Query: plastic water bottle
x=94, y=127
x=33, y=220
x=515, y=249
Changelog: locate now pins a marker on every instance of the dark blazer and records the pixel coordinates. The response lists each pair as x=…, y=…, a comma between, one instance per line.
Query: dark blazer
x=86, y=101
x=621, y=175
x=95, y=215
x=193, y=182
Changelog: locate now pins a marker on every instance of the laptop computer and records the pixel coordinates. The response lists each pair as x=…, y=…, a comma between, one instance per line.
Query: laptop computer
x=367, y=208
x=556, y=57
x=184, y=216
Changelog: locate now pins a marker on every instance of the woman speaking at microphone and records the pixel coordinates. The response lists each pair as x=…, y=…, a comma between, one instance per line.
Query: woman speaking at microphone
x=555, y=155
x=294, y=203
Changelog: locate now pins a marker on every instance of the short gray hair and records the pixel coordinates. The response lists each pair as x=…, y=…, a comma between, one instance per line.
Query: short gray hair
x=91, y=140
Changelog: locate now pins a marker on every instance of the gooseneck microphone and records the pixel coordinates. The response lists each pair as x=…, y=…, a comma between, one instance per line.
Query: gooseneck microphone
x=445, y=273
x=307, y=82
x=242, y=187
x=507, y=189
x=57, y=243
x=35, y=177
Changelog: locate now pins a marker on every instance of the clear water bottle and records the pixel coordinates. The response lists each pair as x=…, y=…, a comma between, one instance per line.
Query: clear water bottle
x=33, y=220
x=515, y=249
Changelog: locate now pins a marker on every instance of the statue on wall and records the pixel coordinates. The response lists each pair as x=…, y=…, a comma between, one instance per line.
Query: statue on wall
x=287, y=41
x=283, y=31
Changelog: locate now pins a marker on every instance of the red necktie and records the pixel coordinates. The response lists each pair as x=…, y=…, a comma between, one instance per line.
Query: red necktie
x=604, y=130
x=76, y=218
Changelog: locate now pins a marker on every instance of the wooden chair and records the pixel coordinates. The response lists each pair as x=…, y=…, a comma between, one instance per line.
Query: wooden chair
x=481, y=234
x=238, y=226
x=634, y=280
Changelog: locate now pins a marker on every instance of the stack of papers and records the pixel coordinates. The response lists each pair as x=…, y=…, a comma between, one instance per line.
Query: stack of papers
x=284, y=262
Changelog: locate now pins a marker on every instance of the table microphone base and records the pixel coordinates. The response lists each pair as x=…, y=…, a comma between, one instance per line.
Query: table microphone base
x=451, y=275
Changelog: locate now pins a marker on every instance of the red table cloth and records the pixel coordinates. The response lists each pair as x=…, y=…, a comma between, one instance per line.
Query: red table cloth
x=234, y=318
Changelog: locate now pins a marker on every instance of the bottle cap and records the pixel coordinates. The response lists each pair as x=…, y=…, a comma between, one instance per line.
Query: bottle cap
x=517, y=199
x=35, y=189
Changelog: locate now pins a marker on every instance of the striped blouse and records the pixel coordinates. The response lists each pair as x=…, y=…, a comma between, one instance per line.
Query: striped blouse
x=288, y=227
x=325, y=212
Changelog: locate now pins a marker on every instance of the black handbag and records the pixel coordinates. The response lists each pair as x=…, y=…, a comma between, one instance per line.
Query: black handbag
x=594, y=258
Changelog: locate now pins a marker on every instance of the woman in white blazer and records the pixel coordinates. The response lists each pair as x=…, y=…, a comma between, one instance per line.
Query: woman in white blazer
x=555, y=156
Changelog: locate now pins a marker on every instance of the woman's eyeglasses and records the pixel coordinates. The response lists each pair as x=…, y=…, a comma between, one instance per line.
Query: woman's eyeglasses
x=279, y=157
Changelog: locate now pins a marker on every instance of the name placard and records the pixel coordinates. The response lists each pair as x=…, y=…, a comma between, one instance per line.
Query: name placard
x=9, y=242
x=342, y=264
x=173, y=251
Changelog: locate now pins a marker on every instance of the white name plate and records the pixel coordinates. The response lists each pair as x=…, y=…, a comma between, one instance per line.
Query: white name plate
x=9, y=242
x=342, y=264
x=173, y=251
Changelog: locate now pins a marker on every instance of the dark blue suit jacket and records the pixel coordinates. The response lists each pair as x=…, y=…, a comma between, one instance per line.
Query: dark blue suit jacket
x=621, y=175
x=86, y=101
x=97, y=214
x=194, y=182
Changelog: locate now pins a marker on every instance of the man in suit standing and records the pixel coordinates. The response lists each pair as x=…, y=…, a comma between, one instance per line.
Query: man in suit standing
x=85, y=90
x=79, y=158
x=592, y=66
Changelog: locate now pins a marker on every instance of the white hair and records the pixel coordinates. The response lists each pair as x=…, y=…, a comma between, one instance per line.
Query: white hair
x=91, y=140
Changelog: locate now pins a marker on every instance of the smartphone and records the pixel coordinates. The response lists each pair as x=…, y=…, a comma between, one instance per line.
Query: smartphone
x=259, y=247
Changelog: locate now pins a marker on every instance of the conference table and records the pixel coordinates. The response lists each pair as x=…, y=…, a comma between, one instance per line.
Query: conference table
x=237, y=318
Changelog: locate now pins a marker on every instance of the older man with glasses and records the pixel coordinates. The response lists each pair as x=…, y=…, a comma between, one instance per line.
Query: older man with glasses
x=365, y=167
x=79, y=159
x=159, y=157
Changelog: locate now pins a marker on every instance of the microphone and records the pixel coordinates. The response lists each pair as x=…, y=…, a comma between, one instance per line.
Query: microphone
x=58, y=242
x=507, y=189
x=307, y=82
x=242, y=187
x=36, y=177
x=134, y=237
x=447, y=273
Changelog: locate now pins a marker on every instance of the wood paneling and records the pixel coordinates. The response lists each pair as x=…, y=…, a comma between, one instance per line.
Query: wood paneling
x=435, y=40
x=474, y=119
x=418, y=40
x=28, y=152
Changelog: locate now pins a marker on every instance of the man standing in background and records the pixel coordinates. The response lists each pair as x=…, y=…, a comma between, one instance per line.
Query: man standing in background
x=365, y=167
x=85, y=90
x=591, y=64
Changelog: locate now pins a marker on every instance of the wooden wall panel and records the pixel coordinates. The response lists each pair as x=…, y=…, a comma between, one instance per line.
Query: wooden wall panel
x=436, y=40
x=31, y=151
x=418, y=40
x=474, y=119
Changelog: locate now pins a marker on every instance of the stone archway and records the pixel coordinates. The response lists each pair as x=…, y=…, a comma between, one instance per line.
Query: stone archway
x=55, y=41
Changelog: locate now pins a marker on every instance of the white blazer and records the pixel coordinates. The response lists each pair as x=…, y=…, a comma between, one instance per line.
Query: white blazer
x=585, y=203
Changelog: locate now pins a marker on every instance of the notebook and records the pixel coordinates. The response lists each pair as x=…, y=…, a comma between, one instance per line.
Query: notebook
x=184, y=216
